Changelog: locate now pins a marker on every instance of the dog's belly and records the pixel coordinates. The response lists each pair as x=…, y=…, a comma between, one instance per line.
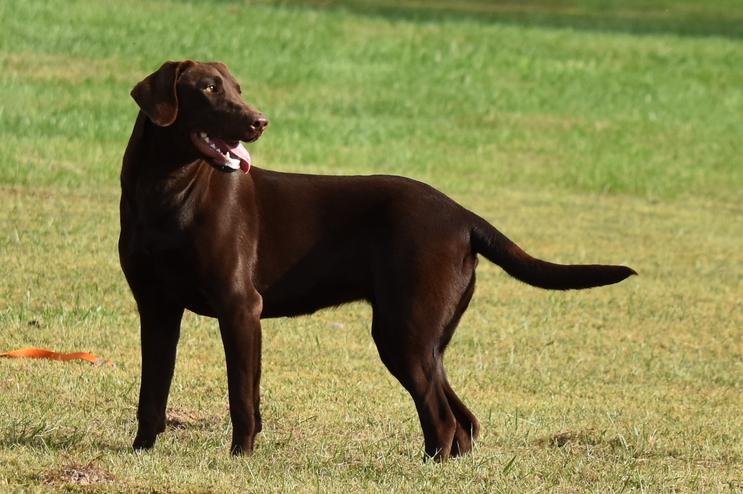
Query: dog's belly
x=315, y=283
x=307, y=296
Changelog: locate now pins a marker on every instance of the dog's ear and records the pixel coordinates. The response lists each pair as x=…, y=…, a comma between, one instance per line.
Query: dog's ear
x=156, y=94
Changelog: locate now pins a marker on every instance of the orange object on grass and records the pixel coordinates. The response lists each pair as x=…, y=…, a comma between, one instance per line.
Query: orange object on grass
x=50, y=355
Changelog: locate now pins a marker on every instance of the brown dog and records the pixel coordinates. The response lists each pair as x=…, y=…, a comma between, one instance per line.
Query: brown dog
x=241, y=247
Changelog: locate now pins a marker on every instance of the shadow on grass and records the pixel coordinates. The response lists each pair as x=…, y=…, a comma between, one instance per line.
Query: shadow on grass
x=677, y=17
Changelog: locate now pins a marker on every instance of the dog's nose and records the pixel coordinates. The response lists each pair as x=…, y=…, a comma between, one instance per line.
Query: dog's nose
x=259, y=123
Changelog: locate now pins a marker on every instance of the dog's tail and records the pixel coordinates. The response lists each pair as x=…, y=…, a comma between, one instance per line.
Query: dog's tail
x=497, y=248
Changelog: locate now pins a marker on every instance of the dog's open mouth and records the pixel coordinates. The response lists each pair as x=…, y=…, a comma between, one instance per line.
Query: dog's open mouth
x=225, y=156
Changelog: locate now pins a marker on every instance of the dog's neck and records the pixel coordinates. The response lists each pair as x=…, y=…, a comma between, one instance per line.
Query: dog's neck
x=169, y=147
x=178, y=165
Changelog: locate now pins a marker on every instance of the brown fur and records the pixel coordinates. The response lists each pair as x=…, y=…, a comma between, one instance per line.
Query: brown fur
x=244, y=247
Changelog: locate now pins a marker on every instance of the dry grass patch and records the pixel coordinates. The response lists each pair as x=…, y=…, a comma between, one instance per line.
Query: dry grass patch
x=78, y=474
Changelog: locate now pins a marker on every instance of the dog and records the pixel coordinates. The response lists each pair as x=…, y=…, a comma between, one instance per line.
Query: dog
x=203, y=230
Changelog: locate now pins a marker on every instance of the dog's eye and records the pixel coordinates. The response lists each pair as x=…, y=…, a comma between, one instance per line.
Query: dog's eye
x=211, y=88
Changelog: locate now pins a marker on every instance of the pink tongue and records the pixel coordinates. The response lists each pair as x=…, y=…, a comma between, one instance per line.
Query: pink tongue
x=242, y=154
x=238, y=152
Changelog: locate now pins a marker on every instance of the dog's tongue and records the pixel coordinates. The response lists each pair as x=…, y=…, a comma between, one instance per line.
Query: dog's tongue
x=238, y=152
x=243, y=155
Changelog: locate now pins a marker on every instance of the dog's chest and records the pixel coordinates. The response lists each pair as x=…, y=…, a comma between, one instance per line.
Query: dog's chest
x=161, y=264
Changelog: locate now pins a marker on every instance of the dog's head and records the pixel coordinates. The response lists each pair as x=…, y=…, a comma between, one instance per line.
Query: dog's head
x=202, y=100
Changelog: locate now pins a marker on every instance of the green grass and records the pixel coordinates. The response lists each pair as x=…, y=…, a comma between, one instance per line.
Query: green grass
x=587, y=131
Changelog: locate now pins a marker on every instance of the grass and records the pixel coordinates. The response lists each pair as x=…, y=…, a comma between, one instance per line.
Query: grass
x=587, y=131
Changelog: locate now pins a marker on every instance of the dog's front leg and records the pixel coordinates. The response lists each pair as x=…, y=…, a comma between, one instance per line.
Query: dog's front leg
x=160, y=330
x=240, y=327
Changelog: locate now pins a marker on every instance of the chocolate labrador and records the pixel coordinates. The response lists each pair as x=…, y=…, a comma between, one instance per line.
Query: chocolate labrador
x=202, y=230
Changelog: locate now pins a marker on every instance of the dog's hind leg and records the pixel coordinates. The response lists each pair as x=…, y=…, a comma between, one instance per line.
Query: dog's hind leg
x=420, y=373
x=413, y=323
x=468, y=427
x=160, y=328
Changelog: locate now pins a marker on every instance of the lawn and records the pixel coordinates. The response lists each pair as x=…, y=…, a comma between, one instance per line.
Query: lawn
x=588, y=131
